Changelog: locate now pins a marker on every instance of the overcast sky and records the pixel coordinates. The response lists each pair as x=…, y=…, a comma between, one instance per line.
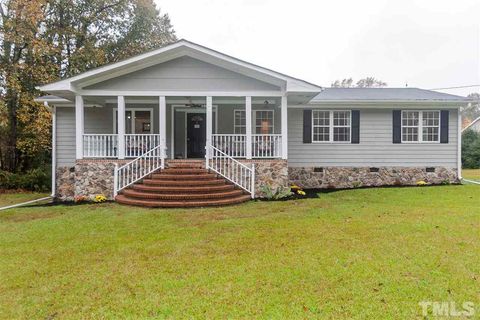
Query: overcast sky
x=425, y=43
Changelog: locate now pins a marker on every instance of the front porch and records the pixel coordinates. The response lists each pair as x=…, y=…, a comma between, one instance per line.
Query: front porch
x=182, y=127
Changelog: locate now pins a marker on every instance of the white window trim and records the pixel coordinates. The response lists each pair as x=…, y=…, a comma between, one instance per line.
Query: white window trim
x=152, y=130
x=255, y=120
x=331, y=126
x=420, y=127
x=235, y=120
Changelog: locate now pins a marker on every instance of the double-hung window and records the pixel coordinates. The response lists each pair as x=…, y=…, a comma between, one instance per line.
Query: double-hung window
x=239, y=123
x=420, y=126
x=331, y=126
x=263, y=121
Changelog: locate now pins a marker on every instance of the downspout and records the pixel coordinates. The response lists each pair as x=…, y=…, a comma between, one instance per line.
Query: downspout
x=459, y=145
x=54, y=149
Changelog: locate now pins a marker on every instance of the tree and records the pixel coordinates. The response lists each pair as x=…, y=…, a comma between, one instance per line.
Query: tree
x=45, y=40
x=345, y=83
x=23, y=64
x=472, y=111
x=471, y=149
x=368, y=82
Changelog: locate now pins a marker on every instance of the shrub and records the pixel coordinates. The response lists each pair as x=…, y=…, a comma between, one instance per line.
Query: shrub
x=471, y=149
x=275, y=194
x=35, y=180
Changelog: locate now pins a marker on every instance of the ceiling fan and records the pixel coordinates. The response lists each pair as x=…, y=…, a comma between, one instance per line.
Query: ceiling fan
x=190, y=104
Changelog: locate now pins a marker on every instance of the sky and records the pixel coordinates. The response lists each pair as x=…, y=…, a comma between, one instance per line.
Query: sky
x=425, y=43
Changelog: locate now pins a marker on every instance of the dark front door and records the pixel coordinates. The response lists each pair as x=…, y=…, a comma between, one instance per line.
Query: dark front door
x=196, y=135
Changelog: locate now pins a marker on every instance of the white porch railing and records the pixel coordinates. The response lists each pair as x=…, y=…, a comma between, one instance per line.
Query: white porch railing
x=266, y=145
x=100, y=145
x=231, y=169
x=263, y=145
x=138, y=168
x=232, y=144
x=138, y=144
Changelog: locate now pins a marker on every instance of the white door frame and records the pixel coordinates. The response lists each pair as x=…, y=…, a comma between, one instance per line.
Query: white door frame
x=186, y=110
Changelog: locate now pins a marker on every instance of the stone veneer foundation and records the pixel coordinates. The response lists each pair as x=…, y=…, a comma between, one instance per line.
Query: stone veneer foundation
x=354, y=177
x=271, y=172
x=89, y=178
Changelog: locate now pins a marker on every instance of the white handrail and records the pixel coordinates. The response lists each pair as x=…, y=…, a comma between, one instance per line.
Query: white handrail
x=138, y=144
x=266, y=145
x=231, y=169
x=232, y=144
x=100, y=145
x=235, y=145
x=138, y=168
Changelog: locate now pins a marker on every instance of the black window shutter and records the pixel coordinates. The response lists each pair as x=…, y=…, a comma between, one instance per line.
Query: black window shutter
x=355, y=126
x=444, y=114
x=397, y=126
x=307, y=126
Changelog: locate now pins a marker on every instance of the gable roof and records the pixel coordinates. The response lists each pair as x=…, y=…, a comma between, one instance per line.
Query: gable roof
x=172, y=51
x=385, y=94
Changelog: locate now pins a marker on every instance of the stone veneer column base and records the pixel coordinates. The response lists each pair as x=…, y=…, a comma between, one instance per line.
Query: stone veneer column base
x=354, y=177
x=87, y=178
x=270, y=172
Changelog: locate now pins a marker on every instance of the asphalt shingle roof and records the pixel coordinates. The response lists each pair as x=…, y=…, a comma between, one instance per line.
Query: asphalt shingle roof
x=414, y=94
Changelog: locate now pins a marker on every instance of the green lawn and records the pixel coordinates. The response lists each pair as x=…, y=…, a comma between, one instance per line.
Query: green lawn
x=363, y=254
x=471, y=174
x=7, y=199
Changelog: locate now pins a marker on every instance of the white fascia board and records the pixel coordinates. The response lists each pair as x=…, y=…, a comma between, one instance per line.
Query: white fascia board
x=177, y=49
x=63, y=84
x=53, y=101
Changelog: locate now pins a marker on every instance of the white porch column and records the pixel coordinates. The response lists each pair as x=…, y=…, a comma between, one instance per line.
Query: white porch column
x=162, y=120
x=79, y=126
x=248, y=126
x=209, y=127
x=121, y=126
x=284, y=116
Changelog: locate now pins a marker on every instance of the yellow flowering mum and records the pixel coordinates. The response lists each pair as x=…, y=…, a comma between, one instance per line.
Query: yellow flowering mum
x=100, y=198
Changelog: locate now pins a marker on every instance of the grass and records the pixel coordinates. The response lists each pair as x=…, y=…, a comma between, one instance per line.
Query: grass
x=361, y=254
x=471, y=174
x=10, y=198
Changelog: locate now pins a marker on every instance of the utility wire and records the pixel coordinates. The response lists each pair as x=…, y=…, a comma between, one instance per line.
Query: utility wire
x=459, y=87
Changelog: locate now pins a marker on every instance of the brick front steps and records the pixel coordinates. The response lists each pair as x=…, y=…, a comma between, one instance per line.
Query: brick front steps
x=182, y=184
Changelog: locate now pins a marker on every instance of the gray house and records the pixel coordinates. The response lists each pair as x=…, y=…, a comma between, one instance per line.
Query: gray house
x=185, y=125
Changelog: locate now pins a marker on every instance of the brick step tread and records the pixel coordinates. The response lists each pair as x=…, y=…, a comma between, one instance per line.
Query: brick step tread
x=171, y=177
x=186, y=165
x=187, y=196
x=185, y=171
x=184, y=183
x=196, y=189
x=181, y=204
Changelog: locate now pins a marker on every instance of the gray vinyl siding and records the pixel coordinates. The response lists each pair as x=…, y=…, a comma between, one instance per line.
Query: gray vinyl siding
x=184, y=74
x=65, y=136
x=375, y=148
